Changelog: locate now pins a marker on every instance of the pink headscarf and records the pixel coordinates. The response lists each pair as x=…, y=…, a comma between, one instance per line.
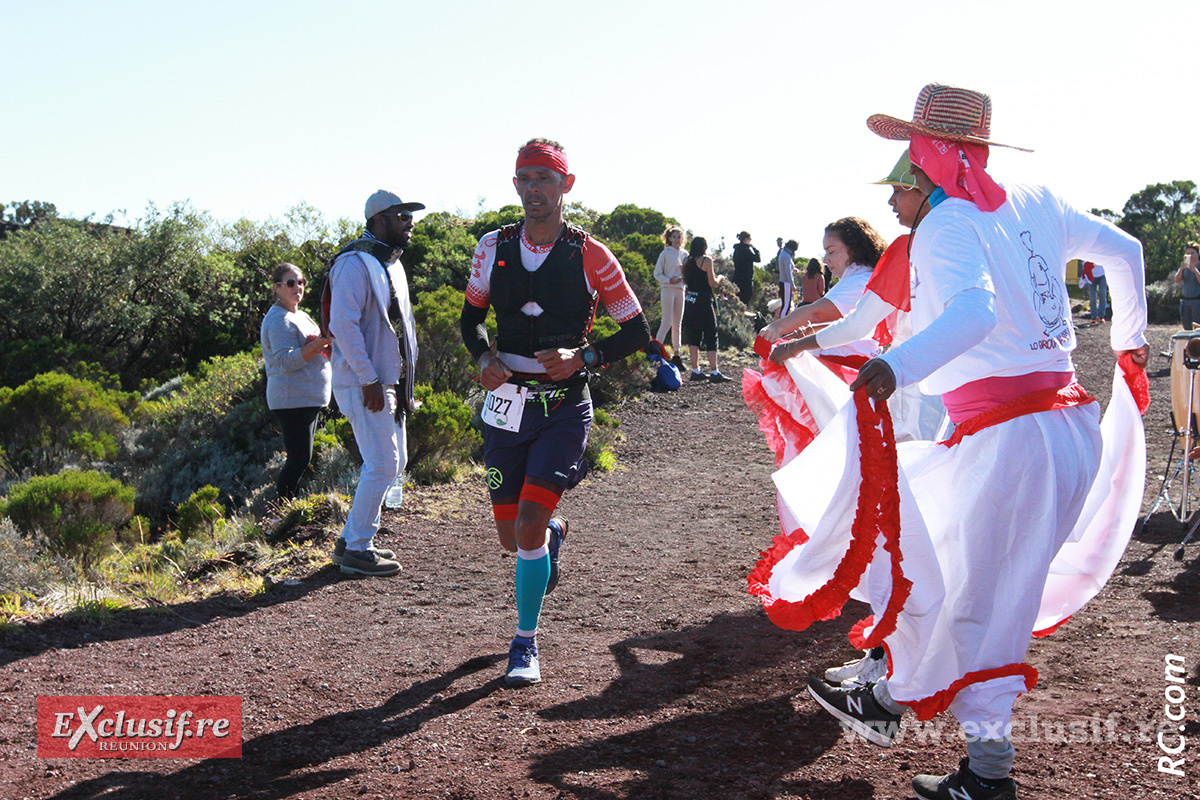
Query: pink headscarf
x=958, y=168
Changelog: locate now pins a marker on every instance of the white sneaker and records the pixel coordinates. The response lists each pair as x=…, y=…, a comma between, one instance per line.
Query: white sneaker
x=868, y=669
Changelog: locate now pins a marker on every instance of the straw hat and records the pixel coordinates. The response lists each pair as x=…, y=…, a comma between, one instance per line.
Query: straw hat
x=949, y=113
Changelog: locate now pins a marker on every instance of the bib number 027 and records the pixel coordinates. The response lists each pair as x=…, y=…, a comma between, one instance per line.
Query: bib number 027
x=503, y=407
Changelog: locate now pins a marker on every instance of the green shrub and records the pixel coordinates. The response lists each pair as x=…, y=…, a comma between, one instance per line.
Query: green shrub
x=1162, y=300
x=78, y=512
x=199, y=513
x=54, y=420
x=216, y=430
x=601, y=438
x=440, y=436
x=444, y=363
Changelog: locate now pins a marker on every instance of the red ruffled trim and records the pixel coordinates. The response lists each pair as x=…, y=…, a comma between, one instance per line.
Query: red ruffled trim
x=1044, y=632
x=778, y=426
x=1042, y=400
x=1135, y=377
x=856, y=633
x=878, y=512
x=930, y=707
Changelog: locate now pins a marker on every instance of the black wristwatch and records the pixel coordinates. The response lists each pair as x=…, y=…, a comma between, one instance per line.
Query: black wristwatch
x=590, y=356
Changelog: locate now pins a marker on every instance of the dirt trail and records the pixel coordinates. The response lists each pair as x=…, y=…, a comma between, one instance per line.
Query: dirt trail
x=663, y=678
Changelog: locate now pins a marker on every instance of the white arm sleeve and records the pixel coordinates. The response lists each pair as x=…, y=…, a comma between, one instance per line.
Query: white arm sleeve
x=965, y=322
x=1121, y=255
x=859, y=324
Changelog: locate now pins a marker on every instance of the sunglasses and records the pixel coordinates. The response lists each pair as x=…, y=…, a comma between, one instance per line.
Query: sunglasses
x=291, y=282
x=404, y=215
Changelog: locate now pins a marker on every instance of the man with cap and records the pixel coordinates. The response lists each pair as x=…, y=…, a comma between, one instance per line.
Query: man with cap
x=974, y=528
x=544, y=278
x=745, y=256
x=367, y=311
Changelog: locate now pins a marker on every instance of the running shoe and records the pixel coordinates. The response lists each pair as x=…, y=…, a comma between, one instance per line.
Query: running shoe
x=698, y=376
x=717, y=377
x=558, y=534
x=523, y=669
x=868, y=669
x=858, y=709
x=963, y=785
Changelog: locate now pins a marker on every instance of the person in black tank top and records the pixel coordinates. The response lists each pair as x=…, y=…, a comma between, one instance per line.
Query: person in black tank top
x=699, y=310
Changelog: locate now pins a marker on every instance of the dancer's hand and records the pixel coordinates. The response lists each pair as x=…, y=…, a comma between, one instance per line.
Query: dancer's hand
x=877, y=378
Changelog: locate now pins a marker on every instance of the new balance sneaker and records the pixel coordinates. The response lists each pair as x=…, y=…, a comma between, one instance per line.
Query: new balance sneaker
x=523, y=668
x=858, y=709
x=868, y=669
x=339, y=550
x=963, y=785
x=558, y=534
x=368, y=562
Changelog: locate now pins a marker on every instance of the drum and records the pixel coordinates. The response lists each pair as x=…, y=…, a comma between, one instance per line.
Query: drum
x=1181, y=379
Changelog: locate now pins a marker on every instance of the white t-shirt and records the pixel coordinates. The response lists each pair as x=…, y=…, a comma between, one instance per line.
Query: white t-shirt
x=1017, y=257
x=845, y=295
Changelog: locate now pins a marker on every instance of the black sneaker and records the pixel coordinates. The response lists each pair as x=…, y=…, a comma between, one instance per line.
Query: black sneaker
x=717, y=377
x=698, y=376
x=963, y=785
x=859, y=709
x=558, y=533
x=677, y=361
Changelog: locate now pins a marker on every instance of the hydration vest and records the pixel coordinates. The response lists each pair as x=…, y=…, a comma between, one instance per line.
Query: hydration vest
x=558, y=286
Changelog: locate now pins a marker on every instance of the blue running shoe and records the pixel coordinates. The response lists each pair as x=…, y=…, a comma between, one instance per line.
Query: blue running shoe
x=558, y=534
x=523, y=669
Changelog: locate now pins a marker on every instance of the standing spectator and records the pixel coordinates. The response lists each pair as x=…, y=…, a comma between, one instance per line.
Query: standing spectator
x=298, y=373
x=785, y=267
x=813, y=287
x=745, y=256
x=1189, y=275
x=700, y=311
x=374, y=335
x=544, y=278
x=1097, y=286
x=668, y=271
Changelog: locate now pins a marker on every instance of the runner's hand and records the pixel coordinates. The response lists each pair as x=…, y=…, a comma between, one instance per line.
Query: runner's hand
x=492, y=372
x=560, y=364
x=877, y=378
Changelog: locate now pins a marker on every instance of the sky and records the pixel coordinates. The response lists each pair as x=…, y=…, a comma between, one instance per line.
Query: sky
x=727, y=116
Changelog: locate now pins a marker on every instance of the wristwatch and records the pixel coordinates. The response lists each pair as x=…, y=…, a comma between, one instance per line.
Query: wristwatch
x=590, y=357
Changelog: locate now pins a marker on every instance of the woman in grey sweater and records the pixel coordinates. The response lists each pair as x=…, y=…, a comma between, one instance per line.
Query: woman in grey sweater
x=298, y=373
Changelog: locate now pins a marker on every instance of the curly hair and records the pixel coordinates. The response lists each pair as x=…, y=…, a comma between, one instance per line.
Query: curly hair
x=863, y=242
x=666, y=234
x=547, y=142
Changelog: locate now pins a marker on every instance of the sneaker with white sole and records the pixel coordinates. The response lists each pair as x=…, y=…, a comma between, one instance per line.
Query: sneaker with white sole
x=367, y=562
x=558, y=534
x=523, y=668
x=868, y=669
x=858, y=709
x=963, y=785
x=339, y=551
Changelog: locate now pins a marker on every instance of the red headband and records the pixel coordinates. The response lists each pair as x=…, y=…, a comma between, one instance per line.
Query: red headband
x=543, y=155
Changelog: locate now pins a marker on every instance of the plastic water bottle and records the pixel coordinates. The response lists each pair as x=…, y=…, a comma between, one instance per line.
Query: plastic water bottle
x=395, y=494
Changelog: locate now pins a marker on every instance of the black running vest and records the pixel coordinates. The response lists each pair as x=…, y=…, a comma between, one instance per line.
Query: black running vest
x=559, y=286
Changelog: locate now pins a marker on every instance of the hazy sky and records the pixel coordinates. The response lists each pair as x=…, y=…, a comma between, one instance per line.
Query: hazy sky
x=726, y=115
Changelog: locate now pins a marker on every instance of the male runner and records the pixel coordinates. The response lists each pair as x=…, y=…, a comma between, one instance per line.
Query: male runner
x=544, y=279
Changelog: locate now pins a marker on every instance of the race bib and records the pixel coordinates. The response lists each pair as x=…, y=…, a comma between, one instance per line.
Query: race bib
x=503, y=407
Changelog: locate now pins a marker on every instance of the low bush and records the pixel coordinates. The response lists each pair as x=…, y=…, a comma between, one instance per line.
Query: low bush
x=440, y=436
x=199, y=513
x=77, y=512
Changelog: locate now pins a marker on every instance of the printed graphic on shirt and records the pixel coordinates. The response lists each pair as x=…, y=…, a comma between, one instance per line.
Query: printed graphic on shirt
x=1047, y=293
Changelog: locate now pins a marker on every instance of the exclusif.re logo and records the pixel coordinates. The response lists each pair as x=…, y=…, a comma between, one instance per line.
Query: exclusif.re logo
x=139, y=727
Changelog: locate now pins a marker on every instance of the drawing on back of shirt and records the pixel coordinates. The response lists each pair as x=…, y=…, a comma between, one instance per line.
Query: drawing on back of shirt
x=1047, y=292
